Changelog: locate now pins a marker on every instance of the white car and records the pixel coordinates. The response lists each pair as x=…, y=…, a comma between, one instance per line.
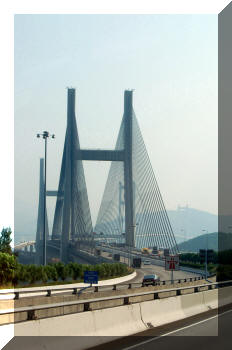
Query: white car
x=146, y=262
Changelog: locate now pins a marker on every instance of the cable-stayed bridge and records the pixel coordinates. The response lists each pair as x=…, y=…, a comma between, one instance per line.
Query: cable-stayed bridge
x=132, y=209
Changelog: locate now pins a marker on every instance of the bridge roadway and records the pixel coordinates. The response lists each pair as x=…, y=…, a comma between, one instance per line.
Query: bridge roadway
x=22, y=245
x=209, y=330
x=161, y=272
x=153, y=268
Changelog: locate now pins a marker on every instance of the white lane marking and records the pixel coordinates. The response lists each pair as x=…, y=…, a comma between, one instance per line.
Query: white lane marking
x=177, y=330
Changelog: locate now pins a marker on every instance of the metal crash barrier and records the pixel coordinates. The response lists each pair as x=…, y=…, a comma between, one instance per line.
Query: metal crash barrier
x=51, y=291
x=124, y=299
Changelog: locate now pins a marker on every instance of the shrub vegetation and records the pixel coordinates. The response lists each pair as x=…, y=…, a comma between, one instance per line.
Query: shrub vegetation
x=13, y=273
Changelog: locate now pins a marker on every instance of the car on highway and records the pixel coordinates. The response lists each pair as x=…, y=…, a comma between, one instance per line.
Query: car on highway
x=147, y=262
x=152, y=280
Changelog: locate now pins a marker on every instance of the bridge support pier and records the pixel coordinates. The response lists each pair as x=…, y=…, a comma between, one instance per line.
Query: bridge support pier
x=128, y=169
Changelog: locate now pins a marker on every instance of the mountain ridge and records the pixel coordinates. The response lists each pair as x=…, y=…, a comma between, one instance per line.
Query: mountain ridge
x=216, y=241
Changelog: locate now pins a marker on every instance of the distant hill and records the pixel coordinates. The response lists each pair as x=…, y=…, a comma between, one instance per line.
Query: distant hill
x=193, y=245
x=188, y=223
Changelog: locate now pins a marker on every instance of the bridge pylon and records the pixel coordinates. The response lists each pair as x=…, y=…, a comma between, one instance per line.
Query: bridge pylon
x=146, y=220
x=132, y=206
x=72, y=217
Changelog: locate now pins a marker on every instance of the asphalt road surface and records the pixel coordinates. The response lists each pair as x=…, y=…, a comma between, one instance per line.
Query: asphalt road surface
x=163, y=274
x=209, y=330
x=154, y=269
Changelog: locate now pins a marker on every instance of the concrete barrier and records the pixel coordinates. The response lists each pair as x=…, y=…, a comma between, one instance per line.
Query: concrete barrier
x=225, y=296
x=119, y=321
x=158, y=312
x=95, y=326
x=211, y=300
x=117, y=280
x=68, y=297
x=193, y=304
x=12, y=318
x=6, y=304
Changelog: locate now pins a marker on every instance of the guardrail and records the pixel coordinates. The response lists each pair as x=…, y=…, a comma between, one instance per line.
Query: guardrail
x=86, y=303
x=49, y=291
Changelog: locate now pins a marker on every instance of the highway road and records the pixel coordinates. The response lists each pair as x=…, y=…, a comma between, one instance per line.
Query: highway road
x=152, y=269
x=161, y=272
x=209, y=330
x=148, y=270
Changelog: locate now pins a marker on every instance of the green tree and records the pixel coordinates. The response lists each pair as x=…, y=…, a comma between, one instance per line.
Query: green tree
x=75, y=270
x=5, y=241
x=63, y=270
x=7, y=267
x=20, y=274
x=41, y=274
x=51, y=272
x=31, y=273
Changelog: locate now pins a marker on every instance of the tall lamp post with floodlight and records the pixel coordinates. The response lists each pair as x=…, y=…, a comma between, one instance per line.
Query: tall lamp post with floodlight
x=45, y=136
x=206, y=251
x=132, y=228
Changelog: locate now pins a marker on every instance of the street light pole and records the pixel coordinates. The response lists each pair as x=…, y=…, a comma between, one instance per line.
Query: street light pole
x=133, y=227
x=45, y=189
x=45, y=135
x=206, y=253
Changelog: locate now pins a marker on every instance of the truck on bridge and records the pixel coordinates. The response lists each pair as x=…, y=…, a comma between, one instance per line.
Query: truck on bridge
x=137, y=262
x=146, y=251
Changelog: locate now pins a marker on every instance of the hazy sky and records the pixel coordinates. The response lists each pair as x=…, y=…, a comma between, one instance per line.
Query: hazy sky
x=170, y=61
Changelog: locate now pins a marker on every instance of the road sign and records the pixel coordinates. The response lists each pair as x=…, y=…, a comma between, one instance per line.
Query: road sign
x=155, y=250
x=210, y=255
x=172, y=263
x=91, y=277
x=166, y=252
